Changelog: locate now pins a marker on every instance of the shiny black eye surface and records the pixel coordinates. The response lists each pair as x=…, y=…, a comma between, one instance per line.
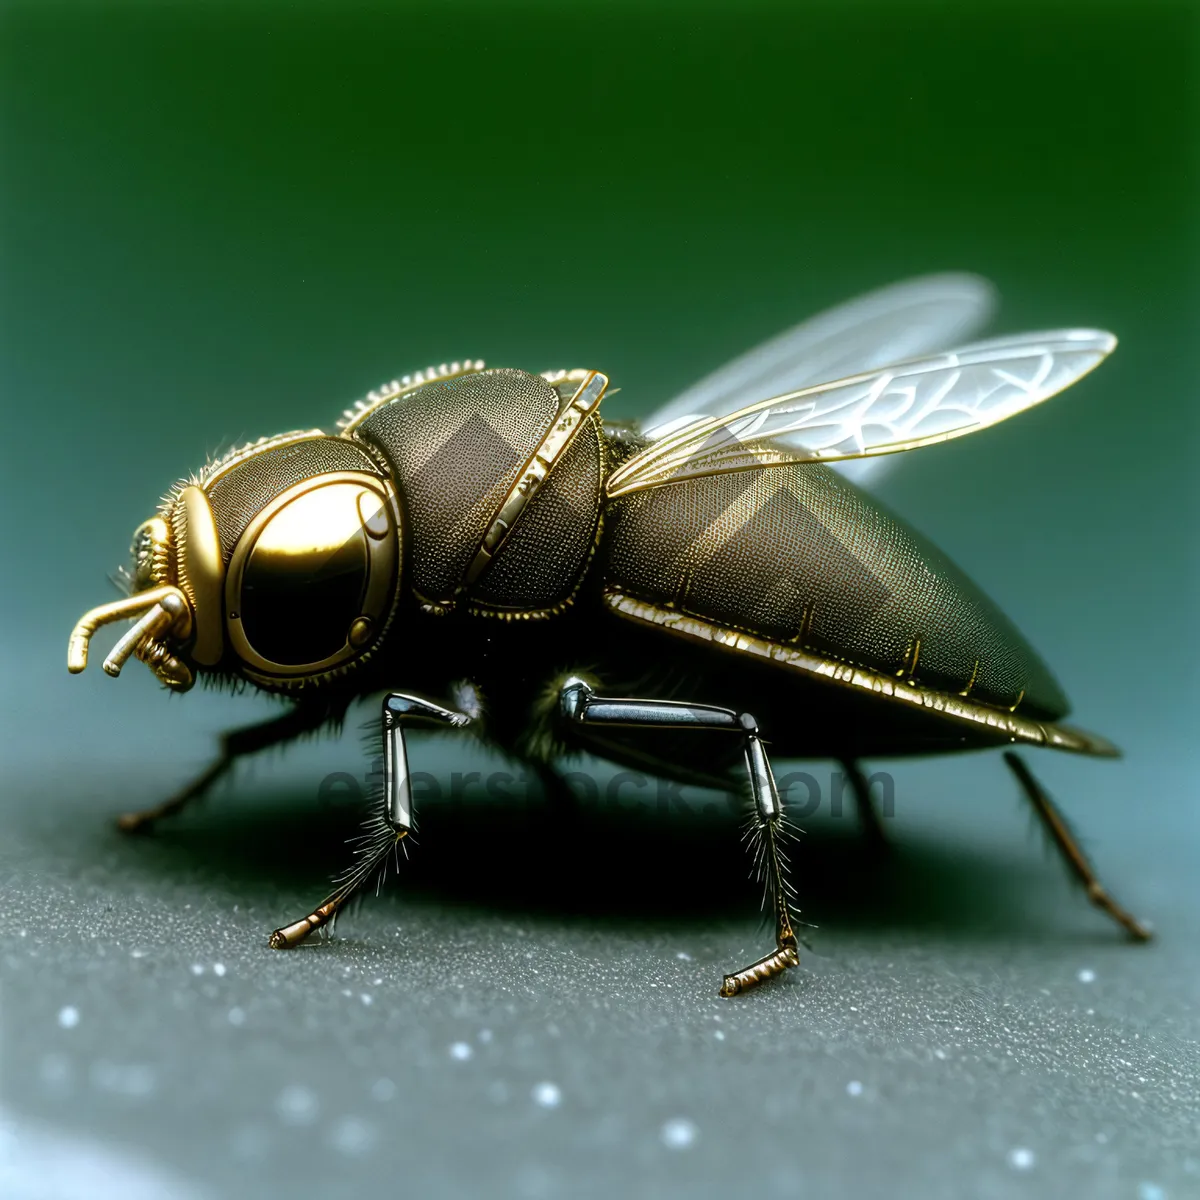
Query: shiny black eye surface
x=311, y=582
x=305, y=578
x=297, y=609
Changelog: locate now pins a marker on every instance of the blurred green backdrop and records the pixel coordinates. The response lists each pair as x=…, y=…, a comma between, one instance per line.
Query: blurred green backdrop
x=220, y=221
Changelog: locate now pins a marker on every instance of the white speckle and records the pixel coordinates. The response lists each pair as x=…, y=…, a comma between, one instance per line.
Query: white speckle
x=1021, y=1158
x=137, y=954
x=236, y=1016
x=377, y=982
x=547, y=1095
x=197, y=968
x=352, y=1136
x=719, y=1035
x=485, y=1036
x=461, y=1051
x=683, y=956
x=939, y=1054
x=219, y=970
x=678, y=1133
x=383, y=1090
x=297, y=1105
x=854, y=1088
x=1150, y=1191
x=68, y=1017
x=367, y=999
x=1086, y=975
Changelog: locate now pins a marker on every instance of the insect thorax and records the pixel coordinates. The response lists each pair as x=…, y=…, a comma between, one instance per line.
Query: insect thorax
x=461, y=451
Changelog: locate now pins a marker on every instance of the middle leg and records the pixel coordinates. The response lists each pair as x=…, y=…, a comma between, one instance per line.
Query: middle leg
x=580, y=704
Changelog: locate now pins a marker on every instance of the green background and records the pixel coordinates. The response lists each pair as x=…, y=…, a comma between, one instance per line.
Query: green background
x=223, y=221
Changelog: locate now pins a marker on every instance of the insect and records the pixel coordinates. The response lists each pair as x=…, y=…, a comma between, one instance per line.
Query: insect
x=668, y=599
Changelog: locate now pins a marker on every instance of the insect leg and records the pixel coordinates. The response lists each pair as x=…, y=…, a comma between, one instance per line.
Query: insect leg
x=1072, y=854
x=234, y=744
x=579, y=703
x=868, y=814
x=384, y=830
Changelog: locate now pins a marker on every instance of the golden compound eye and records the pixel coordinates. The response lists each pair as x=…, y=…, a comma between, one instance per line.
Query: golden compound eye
x=310, y=579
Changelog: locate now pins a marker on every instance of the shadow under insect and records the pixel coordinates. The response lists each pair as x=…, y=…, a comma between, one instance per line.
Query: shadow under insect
x=634, y=864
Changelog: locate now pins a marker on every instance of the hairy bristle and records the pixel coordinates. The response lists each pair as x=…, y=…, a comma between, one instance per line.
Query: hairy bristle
x=374, y=848
x=758, y=836
x=387, y=392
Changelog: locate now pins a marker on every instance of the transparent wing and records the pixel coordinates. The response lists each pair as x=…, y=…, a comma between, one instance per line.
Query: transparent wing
x=915, y=317
x=877, y=412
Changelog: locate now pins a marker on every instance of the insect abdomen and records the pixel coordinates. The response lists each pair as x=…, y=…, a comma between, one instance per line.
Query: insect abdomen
x=797, y=554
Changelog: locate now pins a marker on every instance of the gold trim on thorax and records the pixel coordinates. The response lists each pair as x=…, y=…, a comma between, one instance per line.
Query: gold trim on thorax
x=571, y=418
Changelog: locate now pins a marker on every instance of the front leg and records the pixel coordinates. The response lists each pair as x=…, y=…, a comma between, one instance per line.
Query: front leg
x=234, y=744
x=579, y=703
x=385, y=831
x=397, y=787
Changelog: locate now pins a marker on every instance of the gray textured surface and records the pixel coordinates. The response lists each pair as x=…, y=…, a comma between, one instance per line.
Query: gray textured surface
x=963, y=1026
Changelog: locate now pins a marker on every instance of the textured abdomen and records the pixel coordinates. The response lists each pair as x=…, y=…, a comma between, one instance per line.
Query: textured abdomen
x=797, y=554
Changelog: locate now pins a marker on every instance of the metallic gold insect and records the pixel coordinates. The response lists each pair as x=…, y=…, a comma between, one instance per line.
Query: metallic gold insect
x=581, y=586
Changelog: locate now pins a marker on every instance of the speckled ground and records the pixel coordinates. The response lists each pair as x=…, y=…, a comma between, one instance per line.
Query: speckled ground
x=534, y=1012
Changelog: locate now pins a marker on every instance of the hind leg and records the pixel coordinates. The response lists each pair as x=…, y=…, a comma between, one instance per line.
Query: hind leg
x=1072, y=854
x=868, y=814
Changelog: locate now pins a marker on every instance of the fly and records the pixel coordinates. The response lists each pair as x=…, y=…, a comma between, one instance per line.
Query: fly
x=666, y=599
